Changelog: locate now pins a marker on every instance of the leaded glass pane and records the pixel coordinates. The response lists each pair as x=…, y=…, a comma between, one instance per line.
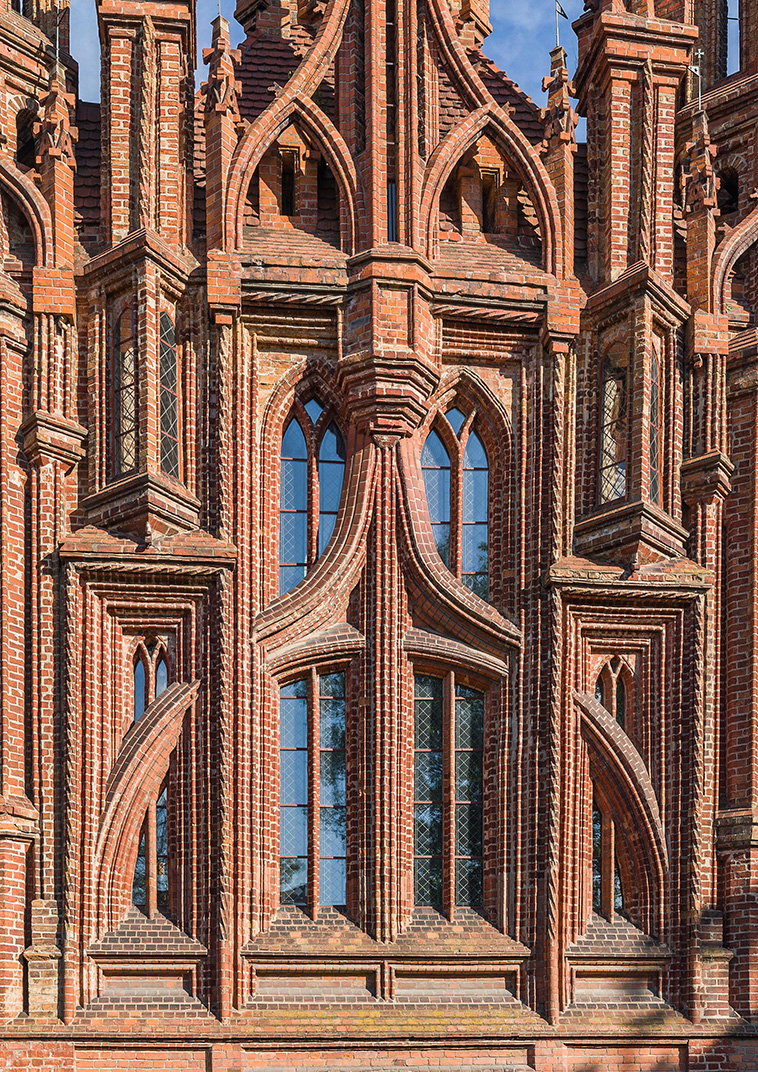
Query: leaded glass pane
x=435, y=466
x=124, y=373
x=294, y=777
x=293, y=831
x=332, y=881
x=293, y=721
x=332, y=835
x=332, y=723
x=428, y=776
x=169, y=377
x=331, y=475
x=427, y=882
x=456, y=419
x=293, y=508
x=437, y=484
x=475, y=517
x=314, y=409
x=613, y=437
x=427, y=821
x=293, y=881
x=294, y=485
x=468, y=882
x=332, y=777
x=469, y=741
x=293, y=537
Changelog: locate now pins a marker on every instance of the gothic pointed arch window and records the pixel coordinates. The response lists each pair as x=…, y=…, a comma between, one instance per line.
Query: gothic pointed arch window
x=150, y=675
x=614, y=690
x=607, y=889
x=455, y=468
x=169, y=398
x=655, y=435
x=124, y=395
x=614, y=429
x=312, y=472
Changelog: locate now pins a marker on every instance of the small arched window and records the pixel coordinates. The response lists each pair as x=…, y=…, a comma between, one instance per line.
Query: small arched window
x=124, y=395
x=456, y=479
x=611, y=690
x=170, y=460
x=140, y=688
x=614, y=431
x=312, y=472
x=161, y=677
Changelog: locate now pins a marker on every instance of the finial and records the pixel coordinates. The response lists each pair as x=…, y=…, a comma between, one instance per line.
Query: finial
x=558, y=11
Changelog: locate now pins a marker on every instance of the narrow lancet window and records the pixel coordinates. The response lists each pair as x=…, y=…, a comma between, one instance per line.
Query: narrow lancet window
x=655, y=423
x=613, y=438
x=293, y=508
x=140, y=689
x=169, y=370
x=124, y=395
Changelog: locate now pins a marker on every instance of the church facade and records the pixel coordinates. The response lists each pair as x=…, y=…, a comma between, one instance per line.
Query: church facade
x=378, y=543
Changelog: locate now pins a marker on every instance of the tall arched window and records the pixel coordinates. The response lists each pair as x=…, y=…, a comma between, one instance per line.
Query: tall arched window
x=448, y=792
x=124, y=395
x=312, y=472
x=614, y=431
x=612, y=692
x=140, y=688
x=456, y=479
x=170, y=460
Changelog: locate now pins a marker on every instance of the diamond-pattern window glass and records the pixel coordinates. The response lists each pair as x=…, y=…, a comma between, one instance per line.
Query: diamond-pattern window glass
x=428, y=783
x=435, y=465
x=332, y=813
x=293, y=508
x=613, y=436
x=169, y=371
x=124, y=395
x=331, y=473
x=474, y=515
x=597, y=858
x=469, y=744
x=293, y=793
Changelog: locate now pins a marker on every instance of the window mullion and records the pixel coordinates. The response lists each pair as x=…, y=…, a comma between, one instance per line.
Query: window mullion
x=608, y=867
x=448, y=796
x=314, y=793
x=313, y=514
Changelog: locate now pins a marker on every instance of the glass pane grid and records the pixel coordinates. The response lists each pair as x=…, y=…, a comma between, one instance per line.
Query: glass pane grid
x=332, y=811
x=428, y=791
x=469, y=756
x=169, y=375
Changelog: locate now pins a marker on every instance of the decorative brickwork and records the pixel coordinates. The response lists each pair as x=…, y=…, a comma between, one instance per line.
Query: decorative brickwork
x=378, y=566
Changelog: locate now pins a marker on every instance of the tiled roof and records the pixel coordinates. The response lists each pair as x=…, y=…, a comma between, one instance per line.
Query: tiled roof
x=87, y=175
x=526, y=114
x=269, y=61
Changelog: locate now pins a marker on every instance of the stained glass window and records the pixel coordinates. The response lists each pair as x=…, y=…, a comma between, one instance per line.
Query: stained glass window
x=312, y=471
x=613, y=435
x=124, y=393
x=456, y=481
x=312, y=724
x=448, y=797
x=169, y=372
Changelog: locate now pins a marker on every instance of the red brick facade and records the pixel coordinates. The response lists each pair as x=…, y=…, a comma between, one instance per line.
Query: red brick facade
x=378, y=544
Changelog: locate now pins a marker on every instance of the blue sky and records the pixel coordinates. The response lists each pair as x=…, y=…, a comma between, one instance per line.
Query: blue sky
x=524, y=33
